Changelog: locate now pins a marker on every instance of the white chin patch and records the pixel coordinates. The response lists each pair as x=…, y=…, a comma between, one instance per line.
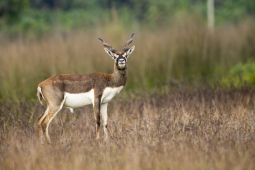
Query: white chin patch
x=121, y=66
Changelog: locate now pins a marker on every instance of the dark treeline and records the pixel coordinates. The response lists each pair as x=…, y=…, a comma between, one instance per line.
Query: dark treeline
x=142, y=10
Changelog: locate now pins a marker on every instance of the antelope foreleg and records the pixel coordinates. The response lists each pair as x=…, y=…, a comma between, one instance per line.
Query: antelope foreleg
x=103, y=111
x=97, y=115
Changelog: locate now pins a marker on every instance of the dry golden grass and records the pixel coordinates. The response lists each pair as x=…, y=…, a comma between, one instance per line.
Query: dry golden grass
x=184, y=129
x=151, y=124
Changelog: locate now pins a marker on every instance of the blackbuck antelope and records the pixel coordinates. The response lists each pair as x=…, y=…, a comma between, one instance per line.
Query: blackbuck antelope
x=79, y=90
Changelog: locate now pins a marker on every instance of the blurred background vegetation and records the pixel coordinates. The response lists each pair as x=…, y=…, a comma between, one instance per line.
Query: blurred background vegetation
x=42, y=38
x=43, y=16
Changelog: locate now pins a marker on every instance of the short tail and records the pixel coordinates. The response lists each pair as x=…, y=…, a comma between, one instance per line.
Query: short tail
x=39, y=94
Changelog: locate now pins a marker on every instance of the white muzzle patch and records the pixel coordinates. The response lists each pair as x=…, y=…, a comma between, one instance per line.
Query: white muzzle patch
x=122, y=64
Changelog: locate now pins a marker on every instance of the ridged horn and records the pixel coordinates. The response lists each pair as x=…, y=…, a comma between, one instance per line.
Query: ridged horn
x=108, y=46
x=127, y=43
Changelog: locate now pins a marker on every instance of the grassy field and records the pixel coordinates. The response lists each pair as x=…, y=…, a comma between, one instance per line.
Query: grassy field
x=172, y=114
x=184, y=129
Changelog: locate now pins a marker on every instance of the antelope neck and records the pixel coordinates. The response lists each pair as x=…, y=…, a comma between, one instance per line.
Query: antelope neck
x=119, y=77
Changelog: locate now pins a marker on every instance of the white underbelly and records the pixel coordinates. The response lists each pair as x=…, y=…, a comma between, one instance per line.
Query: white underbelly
x=76, y=100
x=109, y=93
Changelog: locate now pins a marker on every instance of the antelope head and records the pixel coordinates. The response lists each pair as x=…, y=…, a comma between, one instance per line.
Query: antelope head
x=120, y=58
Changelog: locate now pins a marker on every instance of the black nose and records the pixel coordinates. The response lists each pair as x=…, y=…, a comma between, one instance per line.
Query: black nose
x=121, y=60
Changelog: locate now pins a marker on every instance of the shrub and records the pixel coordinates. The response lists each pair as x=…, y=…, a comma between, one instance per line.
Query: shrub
x=241, y=74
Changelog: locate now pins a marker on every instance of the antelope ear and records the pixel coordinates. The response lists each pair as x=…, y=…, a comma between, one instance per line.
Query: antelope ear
x=110, y=53
x=130, y=51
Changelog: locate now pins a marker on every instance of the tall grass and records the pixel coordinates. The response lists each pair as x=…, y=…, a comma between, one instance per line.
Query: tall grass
x=184, y=129
x=186, y=50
